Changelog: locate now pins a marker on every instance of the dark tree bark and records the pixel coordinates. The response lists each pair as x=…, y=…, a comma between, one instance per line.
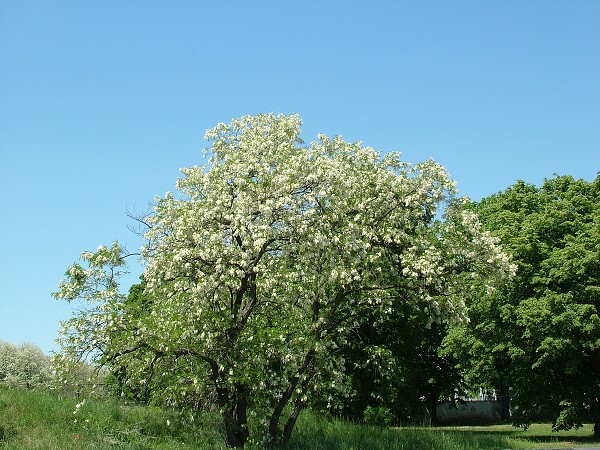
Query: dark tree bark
x=291, y=422
x=235, y=417
x=432, y=403
x=504, y=403
x=283, y=401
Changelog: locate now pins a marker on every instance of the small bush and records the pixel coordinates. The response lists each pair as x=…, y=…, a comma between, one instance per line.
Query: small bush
x=378, y=416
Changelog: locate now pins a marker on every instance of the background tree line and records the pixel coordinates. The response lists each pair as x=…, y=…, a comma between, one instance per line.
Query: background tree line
x=535, y=341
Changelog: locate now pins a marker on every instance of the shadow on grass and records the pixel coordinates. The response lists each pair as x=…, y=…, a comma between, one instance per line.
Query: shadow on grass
x=319, y=432
x=593, y=442
x=374, y=438
x=536, y=434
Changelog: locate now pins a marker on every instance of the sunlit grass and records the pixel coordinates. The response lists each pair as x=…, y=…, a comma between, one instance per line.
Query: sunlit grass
x=42, y=420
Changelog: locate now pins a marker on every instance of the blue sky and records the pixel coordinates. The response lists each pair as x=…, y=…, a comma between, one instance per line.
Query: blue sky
x=101, y=103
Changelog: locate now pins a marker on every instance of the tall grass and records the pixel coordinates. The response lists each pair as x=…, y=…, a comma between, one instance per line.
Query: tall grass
x=46, y=421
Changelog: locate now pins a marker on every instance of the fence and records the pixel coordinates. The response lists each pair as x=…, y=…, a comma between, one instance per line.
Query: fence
x=470, y=412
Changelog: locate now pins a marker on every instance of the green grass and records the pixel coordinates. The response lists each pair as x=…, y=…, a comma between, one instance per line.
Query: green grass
x=42, y=420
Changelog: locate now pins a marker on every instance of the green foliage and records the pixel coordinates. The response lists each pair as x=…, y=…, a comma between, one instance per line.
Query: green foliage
x=540, y=335
x=378, y=415
x=394, y=361
x=118, y=380
x=24, y=366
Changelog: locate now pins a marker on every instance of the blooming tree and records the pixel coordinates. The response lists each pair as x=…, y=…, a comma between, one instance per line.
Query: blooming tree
x=266, y=259
x=24, y=366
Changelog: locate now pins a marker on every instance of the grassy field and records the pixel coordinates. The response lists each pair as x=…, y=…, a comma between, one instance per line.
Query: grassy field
x=38, y=420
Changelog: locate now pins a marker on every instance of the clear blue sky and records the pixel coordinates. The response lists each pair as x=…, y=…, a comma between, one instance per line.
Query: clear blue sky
x=101, y=103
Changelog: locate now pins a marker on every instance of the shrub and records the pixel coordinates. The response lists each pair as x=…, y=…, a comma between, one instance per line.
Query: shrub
x=378, y=415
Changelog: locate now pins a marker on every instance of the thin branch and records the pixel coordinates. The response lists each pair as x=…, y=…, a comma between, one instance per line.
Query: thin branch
x=141, y=219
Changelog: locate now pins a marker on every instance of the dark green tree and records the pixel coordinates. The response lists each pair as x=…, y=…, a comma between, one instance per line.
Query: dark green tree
x=119, y=381
x=395, y=363
x=540, y=335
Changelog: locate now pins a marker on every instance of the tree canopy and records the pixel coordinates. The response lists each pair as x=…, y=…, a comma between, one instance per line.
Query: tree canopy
x=266, y=259
x=540, y=335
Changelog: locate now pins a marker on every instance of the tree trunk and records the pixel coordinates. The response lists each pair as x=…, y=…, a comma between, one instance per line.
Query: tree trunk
x=287, y=395
x=432, y=402
x=291, y=422
x=233, y=403
x=504, y=403
x=232, y=436
x=597, y=427
x=236, y=424
x=236, y=419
